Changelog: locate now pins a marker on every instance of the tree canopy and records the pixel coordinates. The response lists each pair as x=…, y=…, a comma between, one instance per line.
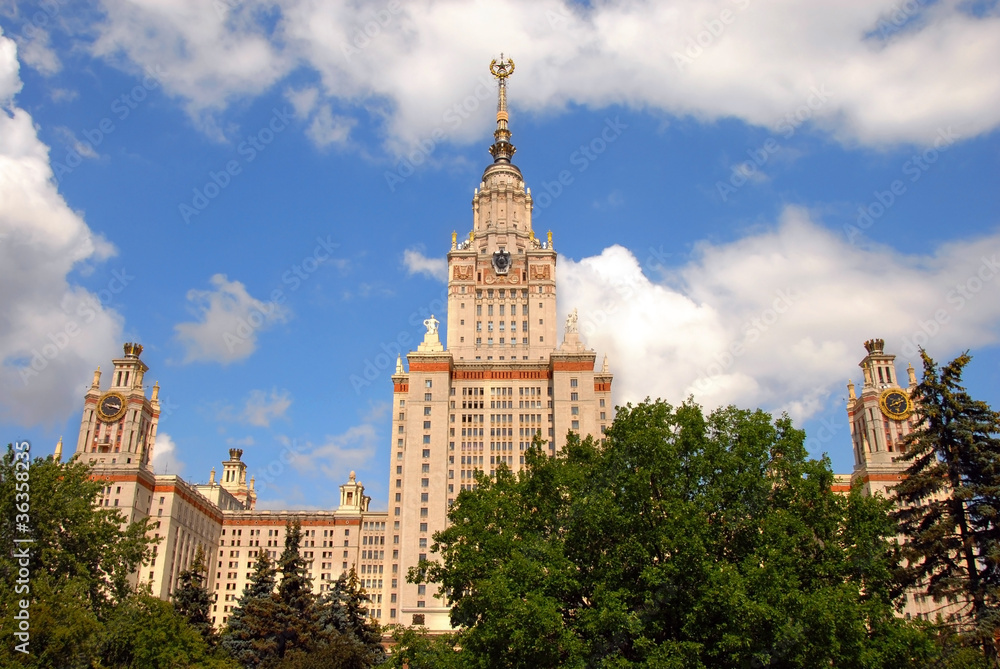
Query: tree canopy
x=282, y=624
x=948, y=505
x=84, y=612
x=684, y=540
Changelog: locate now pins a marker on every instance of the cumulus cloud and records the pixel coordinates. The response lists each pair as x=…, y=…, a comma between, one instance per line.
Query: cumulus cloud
x=327, y=129
x=229, y=320
x=51, y=330
x=417, y=263
x=887, y=72
x=261, y=408
x=342, y=453
x=165, y=460
x=760, y=322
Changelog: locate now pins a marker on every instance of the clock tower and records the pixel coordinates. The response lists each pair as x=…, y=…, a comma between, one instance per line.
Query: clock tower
x=119, y=424
x=879, y=418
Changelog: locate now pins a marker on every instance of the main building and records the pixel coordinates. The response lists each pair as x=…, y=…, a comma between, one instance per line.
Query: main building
x=470, y=406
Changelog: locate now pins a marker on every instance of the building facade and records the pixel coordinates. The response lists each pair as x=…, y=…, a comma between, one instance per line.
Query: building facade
x=469, y=405
x=477, y=403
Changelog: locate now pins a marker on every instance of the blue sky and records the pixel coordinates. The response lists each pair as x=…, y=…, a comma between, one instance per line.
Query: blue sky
x=263, y=193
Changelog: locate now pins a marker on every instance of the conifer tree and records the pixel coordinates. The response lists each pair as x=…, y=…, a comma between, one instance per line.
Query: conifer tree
x=949, y=502
x=247, y=636
x=192, y=599
x=295, y=588
x=343, y=612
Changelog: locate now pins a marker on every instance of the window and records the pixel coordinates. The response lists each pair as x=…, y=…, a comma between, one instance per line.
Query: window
x=573, y=383
x=427, y=383
x=428, y=397
x=427, y=411
x=427, y=425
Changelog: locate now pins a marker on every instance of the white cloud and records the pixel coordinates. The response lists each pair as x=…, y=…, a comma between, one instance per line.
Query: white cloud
x=165, y=460
x=710, y=60
x=229, y=319
x=36, y=51
x=342, y=453
x=51, y=331
x=417, y=263
x=303, y=99
x=261, y=408
x=327, y=129
x=85, y=149
x=760, y=322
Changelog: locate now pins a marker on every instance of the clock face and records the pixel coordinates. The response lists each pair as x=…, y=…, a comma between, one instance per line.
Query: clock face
x=501, y=262
x=895, y=404
x=111, y=407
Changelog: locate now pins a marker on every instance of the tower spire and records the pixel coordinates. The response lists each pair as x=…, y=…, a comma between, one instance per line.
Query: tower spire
x=502, y=150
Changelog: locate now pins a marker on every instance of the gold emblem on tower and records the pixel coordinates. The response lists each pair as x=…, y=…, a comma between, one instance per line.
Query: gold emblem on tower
x=502, y=150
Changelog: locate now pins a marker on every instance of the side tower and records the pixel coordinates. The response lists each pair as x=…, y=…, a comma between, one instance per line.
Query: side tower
x=503, y=379
x=879, y=418
x=119, y=424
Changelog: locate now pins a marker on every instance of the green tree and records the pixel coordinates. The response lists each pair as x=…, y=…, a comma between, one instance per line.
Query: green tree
x=417, y=649
x=684, y=541
x=144, y=632
x=191, y=597
x=81, y=561
x=343, y=611
x=247, y=635
x=267, y=624
x=949, y=501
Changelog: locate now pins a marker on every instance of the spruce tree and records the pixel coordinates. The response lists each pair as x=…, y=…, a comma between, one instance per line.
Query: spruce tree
x=949, y=502
x=192, y=599
x=295, y=588
x=343, y=612
x=248, y=633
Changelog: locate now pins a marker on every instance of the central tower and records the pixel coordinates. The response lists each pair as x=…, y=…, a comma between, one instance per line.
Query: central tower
x=502, y=380
x=501, y=280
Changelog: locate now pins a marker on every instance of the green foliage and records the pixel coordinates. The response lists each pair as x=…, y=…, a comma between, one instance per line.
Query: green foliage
x=80, y=563
x=684, y=541
x=144, y=632
x=417, y=649
x=295, y=589
x=291, y=628
x=191, y=597
x=949, y=502
x=343, y=611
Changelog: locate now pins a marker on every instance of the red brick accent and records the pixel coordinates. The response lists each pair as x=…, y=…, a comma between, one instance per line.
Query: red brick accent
x=416, y=366
x=567, y=366
x=540, y=374
x=602, y=387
